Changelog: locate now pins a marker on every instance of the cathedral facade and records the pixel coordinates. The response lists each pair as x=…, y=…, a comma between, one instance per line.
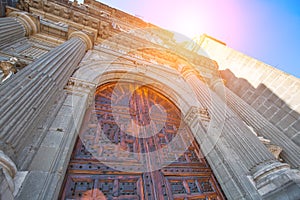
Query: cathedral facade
x=98, y=104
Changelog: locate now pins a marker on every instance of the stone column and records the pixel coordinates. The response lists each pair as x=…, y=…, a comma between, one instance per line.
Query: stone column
x=230, y=172
x=272, y=178
x=30, y=93
x=260, y=124
x=251, y=151
x=268, y=174
x=16, y=26
x=47, y=170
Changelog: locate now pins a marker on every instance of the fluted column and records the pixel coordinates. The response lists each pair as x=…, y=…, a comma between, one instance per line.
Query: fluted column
x=251, y=151
x=225, y=163
x=11, y=29
x=261, y=125
x=31, y=92
x=16, y=26
x=270, y=176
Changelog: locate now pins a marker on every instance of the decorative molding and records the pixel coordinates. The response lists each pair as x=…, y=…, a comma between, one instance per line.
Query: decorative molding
x=197, y=113
x=84, y=37
x=79, y=85
x=75, y=86
x=105, y=22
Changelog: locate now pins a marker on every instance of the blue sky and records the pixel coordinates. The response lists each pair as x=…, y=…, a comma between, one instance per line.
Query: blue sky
x=268, y=30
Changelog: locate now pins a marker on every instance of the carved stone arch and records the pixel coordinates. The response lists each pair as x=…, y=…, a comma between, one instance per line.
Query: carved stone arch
x=164, y=80
x=169, y=82
x=177, y=92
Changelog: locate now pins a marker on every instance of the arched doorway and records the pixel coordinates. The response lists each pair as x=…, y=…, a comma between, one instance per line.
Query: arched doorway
x=135, y=145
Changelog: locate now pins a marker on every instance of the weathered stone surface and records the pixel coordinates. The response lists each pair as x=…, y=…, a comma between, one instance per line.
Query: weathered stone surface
x=235, y=155
x=11, y=29
x=286, y=121
x=5, y=192
x=40, y=85
x=43, y=159
x=265, y=128
x=280, y=89
x=32, y=185
x=296, y=138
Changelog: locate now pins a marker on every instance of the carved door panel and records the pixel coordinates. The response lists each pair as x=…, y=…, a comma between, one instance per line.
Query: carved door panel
x=134, y=145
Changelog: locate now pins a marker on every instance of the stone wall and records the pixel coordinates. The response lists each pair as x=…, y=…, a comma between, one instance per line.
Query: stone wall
x=273, y=93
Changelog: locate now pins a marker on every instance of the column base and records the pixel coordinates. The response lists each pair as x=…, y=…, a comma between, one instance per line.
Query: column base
x=278, y=181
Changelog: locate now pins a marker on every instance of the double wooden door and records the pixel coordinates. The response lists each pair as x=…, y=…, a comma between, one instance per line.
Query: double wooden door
x=135, y=145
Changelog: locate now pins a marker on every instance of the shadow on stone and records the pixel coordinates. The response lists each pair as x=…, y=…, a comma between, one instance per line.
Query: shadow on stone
x=267, y=103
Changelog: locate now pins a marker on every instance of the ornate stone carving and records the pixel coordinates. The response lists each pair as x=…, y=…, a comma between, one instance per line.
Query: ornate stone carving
x=274, y=149
x=75, y=85
x=8, y=68
x=80, y=85
x=104, y=30
x=197, y=113
x=48, y=7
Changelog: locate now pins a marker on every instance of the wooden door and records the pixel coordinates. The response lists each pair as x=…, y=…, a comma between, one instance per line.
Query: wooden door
x=135, y=145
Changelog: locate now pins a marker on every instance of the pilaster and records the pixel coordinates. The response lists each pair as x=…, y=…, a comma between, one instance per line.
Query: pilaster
x=259, y=163
x=48, y=167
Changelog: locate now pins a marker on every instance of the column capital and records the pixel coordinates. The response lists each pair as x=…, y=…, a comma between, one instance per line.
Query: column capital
x=187, y=71
x=9, y=169
x=217, y=85
x=30, y=23
x=87, y=40
x=214, y=83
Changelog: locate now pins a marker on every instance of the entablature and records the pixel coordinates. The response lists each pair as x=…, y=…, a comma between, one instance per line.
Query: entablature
x=118, y=31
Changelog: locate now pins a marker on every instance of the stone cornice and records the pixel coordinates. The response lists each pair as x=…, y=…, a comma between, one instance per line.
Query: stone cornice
x=106, y=22
x=78, y=87
x=75, y=84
